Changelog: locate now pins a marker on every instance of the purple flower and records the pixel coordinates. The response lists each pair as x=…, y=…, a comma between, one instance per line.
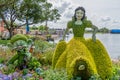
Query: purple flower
x=1, y=75
x=30, y=75
x=6, y=78
x=27, y=76
x=10, y=76
x=15, y=75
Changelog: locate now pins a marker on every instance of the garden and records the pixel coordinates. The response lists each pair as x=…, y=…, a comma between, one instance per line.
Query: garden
x=27, y=57
x=30, y=58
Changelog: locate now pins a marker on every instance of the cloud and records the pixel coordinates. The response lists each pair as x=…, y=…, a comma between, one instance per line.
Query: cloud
x=63, y=7
x=116, y=21
x=106, y=18
x=102, y=13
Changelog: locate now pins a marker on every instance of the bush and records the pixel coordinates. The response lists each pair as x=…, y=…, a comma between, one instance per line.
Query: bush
x=55, y=75
x=48, y=56
x=41, y=46
x=4, y=42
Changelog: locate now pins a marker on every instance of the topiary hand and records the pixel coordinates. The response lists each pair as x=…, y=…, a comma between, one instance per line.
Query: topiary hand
x=95, y=29
x=94, y=37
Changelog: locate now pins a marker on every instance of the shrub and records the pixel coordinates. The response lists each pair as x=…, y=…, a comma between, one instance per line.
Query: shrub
x=4, y=42
x=48, y=56
x=55, y=75
x=41, y=46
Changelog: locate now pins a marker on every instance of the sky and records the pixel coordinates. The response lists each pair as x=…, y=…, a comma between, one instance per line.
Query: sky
x=102, y=13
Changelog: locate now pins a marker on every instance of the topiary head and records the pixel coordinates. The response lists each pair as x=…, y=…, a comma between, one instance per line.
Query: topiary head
x=20, y=42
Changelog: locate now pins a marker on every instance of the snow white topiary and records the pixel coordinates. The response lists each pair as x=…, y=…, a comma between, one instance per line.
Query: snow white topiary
x=79, y=56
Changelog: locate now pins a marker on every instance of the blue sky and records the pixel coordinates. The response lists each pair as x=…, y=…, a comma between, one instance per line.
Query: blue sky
x=102, y=13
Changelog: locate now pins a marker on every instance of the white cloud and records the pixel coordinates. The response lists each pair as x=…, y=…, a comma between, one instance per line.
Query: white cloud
x=103, y=13
x=106, y=18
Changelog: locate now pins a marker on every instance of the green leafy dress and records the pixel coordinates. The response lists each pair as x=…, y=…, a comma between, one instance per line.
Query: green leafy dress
x=79, y=51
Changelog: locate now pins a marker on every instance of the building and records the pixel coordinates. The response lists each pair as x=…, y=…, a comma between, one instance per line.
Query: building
x=1, y=26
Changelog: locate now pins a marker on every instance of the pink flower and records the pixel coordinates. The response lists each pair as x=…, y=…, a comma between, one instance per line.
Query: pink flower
x=41, y=78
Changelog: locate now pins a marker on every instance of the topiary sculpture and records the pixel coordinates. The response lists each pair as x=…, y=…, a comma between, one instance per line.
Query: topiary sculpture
x=22, y=59
x=79, y=57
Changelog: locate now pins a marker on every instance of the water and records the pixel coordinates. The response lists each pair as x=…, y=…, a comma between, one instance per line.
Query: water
x=110, y=41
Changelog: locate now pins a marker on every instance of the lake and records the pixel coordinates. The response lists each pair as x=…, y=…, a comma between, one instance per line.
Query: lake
x=110, y=41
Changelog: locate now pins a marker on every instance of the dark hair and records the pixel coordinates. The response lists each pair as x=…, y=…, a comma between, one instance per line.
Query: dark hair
x=79, y=8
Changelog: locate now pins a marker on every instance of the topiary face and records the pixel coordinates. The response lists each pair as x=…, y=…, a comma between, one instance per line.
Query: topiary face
x=79, y=14
x=19, y=45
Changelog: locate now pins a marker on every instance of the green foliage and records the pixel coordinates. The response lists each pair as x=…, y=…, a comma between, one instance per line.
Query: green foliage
x=42, y=28
x=59, y=50
x=101, y=58
x=2, y=60
x=116, y=72
x=8, y=69
x=5, y=42
x=18, y=37
x=95, y=77
x=48, y=57
x=33, y=63
x=116, y=69
x=104, y=30
x=50, y=14
x=55, y=75
x=25, y=71
x=34, y=28
x=5, y=54
x=4, y=3
x=41, y=46
x=31, y=10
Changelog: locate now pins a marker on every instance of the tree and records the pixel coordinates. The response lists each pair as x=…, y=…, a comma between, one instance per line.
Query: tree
x=104, y=30
x=31, y=10
x=27, y=12
x=8, y=14
x=22, y=10
x=49, y=13
x=5, y=2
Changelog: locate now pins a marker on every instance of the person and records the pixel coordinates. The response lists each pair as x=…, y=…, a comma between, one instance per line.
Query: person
x=82, y=57
x=79, y=23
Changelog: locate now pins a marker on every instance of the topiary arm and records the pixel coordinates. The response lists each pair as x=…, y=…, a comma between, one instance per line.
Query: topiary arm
x=95, y=29
x=69, y=25
x=14, y=58
x=67, y=29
